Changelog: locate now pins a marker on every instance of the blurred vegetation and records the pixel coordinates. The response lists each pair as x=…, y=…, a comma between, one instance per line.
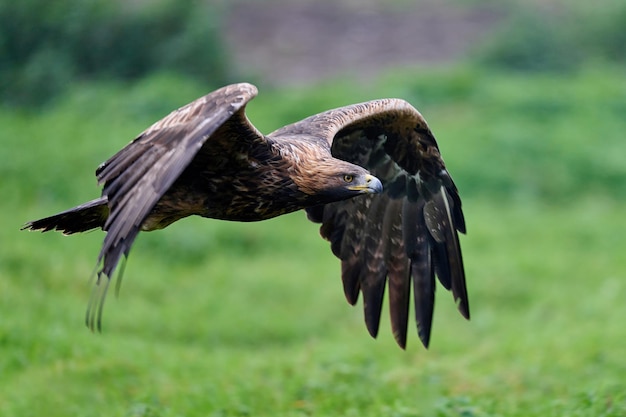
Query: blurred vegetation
x=546, y=137
x=233, y=319
x=47, y=45
x=557, y=36
x=230, y=319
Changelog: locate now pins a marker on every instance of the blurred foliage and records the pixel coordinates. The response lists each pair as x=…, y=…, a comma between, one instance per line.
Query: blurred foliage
x=532, y=137
x=225, y=318
x=47, y=45
x=220, y=318
x=557, y=37
x=239, y=319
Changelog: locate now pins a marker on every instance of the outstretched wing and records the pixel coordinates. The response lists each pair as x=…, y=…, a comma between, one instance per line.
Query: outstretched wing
x=139, y=175
x=406, y=234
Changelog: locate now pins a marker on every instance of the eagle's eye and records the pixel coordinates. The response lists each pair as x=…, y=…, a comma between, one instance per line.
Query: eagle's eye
x=348, y=178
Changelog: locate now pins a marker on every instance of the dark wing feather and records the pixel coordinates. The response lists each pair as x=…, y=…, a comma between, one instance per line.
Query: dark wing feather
x=373, y=275
x=349, y=243
x=418, y=251
x=398, y=271
x=407, y=234
x=138, y=176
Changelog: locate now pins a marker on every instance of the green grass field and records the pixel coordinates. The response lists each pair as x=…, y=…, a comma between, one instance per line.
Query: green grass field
x=227, y=319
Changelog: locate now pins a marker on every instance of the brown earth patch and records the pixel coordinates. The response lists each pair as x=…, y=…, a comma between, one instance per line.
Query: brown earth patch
x=294, y=42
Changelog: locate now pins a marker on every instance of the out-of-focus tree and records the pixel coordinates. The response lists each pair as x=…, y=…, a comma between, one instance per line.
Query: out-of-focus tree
x=558, y=38
x=45, y=45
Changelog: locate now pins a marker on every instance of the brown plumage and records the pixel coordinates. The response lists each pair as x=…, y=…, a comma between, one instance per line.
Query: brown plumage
x=207, y=159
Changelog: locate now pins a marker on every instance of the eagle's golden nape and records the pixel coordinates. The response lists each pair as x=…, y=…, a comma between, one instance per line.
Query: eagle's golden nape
x=371, y=174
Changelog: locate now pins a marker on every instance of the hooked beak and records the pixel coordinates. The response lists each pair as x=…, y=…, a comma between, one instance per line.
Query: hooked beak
x=370, y=185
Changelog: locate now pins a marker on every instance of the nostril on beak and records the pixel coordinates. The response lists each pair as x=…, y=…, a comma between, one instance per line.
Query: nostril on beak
x=373, y=184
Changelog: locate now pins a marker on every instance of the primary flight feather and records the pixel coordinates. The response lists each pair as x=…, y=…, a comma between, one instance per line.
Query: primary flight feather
x=370, y=173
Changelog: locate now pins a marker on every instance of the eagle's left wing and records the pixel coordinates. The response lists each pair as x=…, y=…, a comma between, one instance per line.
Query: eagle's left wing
x=406, y=234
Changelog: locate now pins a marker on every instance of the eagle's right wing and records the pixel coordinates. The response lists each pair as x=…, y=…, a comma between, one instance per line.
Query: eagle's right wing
x=137, y=176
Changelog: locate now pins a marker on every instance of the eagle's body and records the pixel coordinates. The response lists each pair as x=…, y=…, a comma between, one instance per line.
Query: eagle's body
x=207, y=159
x=249, y=185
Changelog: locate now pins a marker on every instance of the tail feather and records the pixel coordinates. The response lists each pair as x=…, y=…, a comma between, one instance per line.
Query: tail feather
x=87, y=216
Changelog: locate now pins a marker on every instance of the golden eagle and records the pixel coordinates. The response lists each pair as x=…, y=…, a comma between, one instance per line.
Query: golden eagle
x=397, y=224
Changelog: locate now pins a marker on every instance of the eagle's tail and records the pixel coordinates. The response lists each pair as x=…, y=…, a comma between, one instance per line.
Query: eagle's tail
x=87, y=216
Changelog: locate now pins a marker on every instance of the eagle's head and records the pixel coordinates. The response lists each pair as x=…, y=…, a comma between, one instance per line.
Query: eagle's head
x=321, y=178
x=331, y=179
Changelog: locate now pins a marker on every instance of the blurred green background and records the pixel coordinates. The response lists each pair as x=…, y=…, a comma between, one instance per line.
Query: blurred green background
x=527, y=100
